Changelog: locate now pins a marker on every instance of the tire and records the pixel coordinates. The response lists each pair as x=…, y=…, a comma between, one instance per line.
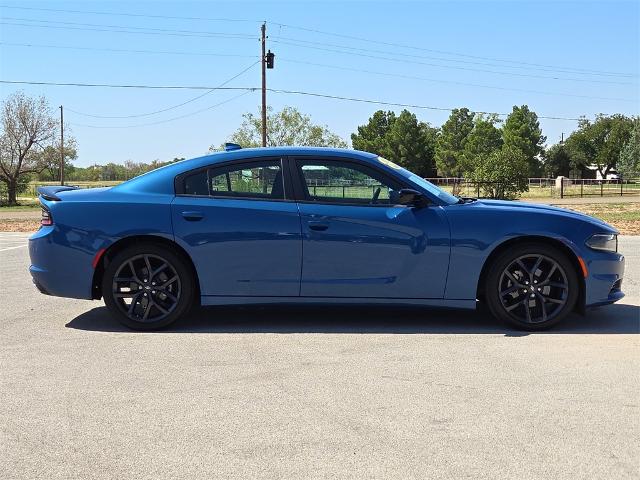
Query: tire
x=148, y=302
x=532, y=286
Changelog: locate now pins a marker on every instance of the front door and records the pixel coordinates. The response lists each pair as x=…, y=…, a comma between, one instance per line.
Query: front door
x=240, y=229
x=358, y=244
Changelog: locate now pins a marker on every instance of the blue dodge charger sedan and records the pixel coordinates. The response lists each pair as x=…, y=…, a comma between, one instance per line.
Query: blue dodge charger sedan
x=315, y=225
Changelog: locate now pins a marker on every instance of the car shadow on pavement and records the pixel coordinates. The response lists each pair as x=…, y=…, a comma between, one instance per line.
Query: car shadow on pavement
x=613, y=319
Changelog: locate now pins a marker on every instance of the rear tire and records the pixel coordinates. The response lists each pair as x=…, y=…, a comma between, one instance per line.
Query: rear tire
x=532, y=286
x=147, y=286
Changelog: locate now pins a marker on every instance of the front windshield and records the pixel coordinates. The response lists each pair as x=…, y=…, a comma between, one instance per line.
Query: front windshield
x=421, y=182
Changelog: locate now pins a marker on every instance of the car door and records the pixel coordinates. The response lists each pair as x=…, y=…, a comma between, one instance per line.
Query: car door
x=358, y=243
x=240, y=228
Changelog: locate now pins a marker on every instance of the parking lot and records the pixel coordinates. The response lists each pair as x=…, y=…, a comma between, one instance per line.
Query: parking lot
x=314, y=392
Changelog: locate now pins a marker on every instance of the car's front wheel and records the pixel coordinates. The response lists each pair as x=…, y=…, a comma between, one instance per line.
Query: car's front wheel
x=147, y=286
x=532, y=286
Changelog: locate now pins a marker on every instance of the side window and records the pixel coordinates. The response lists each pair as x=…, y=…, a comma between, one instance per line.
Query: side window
x=248, y=180
x=196, y=184
x=330, y=181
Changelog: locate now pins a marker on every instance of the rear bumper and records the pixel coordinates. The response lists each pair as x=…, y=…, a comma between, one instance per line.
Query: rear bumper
x=59, y=268
x=604, y=283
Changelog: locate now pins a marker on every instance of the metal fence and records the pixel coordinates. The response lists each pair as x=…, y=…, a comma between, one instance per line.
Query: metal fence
x=547, y=187
x=32, y=188
x=538, y=188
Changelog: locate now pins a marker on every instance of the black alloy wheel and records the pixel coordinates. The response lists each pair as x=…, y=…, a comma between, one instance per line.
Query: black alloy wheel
x=148, y=287
x=532, y=286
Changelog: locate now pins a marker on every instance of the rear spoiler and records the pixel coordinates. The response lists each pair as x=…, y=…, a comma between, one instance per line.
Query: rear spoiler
x=49, y=193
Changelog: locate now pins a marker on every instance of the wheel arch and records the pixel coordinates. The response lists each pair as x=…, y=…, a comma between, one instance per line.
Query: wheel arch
x=553, y=242
x=121, y=244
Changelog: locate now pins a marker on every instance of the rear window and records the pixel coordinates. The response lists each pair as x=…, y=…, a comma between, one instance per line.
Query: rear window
x=248, y=180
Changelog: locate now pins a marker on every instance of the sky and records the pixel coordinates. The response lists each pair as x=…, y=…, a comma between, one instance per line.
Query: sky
x=562, y=59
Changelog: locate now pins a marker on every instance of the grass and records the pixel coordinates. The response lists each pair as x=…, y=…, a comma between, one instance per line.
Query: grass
x=623, y=216
x=24, y=206
x=611, y=212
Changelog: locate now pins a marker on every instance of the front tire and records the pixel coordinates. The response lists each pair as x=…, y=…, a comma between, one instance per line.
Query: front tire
x=532, y=286
x=147, y=286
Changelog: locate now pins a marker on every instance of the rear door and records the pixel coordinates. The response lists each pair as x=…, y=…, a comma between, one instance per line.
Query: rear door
x=241, y=228
x=358, y=243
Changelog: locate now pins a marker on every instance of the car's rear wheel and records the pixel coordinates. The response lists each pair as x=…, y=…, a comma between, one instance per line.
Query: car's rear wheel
x=532, y=286
x=147, y=286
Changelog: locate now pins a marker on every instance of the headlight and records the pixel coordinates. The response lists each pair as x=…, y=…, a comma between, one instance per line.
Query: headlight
x=607, y=242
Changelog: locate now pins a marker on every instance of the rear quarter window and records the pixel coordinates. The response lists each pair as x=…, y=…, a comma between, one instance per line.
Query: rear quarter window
x=196, y=184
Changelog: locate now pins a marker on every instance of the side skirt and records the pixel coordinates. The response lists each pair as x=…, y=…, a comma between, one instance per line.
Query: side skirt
x=436, y=302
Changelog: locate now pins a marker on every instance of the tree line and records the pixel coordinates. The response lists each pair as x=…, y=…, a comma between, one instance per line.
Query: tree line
x=499, y=155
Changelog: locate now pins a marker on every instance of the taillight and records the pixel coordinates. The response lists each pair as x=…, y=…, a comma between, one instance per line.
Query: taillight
x=46, y=219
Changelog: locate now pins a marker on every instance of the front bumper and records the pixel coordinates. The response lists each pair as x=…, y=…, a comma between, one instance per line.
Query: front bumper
x=603, y=284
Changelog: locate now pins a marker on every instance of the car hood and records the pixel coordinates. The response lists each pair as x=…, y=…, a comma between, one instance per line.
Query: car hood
x=508, y=205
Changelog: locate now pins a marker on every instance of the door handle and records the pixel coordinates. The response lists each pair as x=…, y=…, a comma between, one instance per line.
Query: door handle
x=318, y=226
x=192, y=216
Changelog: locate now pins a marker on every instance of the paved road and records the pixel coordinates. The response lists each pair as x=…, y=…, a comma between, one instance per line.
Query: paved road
x=314, y=393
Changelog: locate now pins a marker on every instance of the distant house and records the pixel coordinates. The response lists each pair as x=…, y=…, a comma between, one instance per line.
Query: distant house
x=612, y=175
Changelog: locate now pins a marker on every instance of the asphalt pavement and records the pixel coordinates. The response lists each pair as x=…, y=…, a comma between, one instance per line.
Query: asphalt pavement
x=303, y=393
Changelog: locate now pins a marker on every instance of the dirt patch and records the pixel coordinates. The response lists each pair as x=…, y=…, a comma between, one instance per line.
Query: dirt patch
x=19, y=225
x=628, y=227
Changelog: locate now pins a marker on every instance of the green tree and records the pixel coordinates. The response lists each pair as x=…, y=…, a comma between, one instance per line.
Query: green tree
x=27, y=125
x=401, y=138
x=372, y=137
x=482, y=141
x=629, y=162
x=50, y=160
x=522, y=131
x=451, y=143
x=599, y=143
x=503, y=174
x=287, y=127
x=557, y=161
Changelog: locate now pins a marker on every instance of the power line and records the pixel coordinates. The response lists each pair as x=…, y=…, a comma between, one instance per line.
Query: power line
x=449, y=82
x=111, y=85
x=424, y=57
x=445, y=52
x=124, y=50
x=101, y=25
x=169, y=119
x=332, y=34
x=288, y=92
x=454, y=67
x=404, y=105
x=173, y=106
x=282, y=40
x=337, y=67
x=177, y=33
x=143, y=15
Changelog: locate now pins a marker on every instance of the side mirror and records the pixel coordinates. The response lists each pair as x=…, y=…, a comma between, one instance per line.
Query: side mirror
x=410, y=197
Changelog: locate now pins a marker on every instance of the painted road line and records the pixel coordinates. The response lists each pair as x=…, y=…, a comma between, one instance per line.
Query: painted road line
x=11, y=248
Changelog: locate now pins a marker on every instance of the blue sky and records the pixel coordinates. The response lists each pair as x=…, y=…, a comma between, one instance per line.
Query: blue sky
x=563, y=59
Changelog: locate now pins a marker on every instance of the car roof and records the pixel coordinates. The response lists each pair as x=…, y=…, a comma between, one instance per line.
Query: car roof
x=161, y=179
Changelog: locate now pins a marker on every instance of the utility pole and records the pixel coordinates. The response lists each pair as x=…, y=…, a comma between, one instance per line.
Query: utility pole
x=61, y=146
x=264, y=84
x=562, y=139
